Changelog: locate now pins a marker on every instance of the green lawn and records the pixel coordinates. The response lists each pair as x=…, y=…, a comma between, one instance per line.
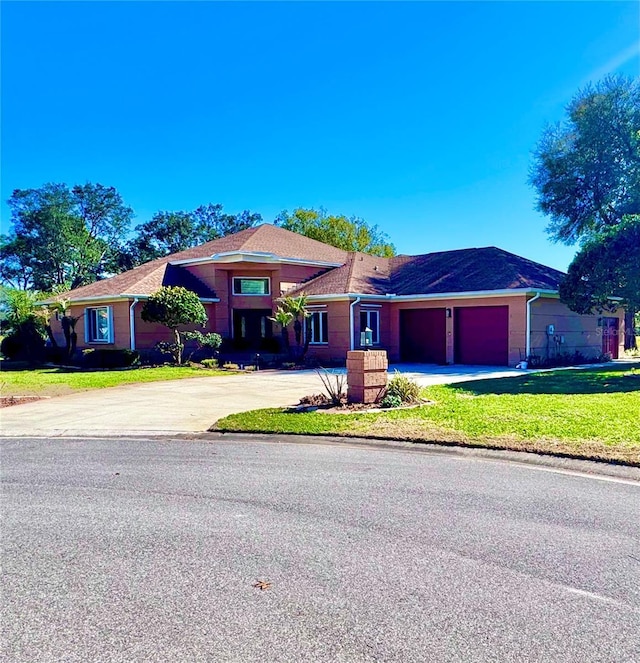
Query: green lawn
x=58, y=381
x=591, y=412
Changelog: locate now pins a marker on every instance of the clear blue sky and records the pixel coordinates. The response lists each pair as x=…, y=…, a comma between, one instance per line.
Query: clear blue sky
x=419, y=117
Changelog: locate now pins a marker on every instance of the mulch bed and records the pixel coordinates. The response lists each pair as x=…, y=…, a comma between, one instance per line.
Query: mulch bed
x=8, y=401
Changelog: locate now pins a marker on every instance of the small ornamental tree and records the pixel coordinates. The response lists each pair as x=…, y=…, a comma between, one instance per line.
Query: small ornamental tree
x=174, y=307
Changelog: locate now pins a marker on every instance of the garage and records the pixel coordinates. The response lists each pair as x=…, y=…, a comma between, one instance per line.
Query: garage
x=423, y=335
x=481, y=335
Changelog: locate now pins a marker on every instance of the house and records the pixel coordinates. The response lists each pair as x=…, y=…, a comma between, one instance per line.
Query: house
x=469, y=306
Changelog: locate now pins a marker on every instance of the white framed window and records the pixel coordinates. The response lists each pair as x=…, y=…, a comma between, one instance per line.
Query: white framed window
x=319, y=328
x=246, y=285
x=98, y=324
x=371, y=319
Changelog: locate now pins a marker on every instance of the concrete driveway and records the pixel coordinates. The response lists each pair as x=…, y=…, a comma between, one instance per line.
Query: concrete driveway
x=191, y=405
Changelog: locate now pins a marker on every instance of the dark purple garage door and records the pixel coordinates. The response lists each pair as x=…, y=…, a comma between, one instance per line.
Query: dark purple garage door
x=423, y=335
x=481, y=335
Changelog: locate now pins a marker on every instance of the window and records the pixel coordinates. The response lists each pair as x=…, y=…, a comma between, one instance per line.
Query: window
x=249, y=286
x=371, y=319
x=98, y=325
x=319, y=328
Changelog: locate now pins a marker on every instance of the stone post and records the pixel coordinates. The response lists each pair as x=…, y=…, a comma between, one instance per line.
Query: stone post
x=366, y=375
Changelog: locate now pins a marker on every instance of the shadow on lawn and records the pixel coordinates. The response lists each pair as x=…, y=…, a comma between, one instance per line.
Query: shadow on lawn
x=589, y=381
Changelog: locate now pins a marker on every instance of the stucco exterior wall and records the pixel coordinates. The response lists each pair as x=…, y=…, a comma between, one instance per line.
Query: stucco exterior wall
x=517, y=322
x=147, y=334
x=339, y=338
x=572, y=332
x=120, y=312
x=220, y=279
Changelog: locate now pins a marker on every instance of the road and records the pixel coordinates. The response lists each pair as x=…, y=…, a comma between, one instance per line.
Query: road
x=149, y=550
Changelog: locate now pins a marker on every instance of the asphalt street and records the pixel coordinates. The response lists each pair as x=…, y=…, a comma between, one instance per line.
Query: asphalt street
x=150, y=550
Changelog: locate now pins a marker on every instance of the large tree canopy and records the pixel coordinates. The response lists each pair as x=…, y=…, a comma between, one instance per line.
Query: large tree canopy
x=63, y=238
x=169, y=232
x=587, y=175
x=586, y=169
x=607, y=265
x=349, y=234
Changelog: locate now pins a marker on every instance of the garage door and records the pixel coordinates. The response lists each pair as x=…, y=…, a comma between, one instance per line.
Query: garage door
x=423, y=335
x=481, y=335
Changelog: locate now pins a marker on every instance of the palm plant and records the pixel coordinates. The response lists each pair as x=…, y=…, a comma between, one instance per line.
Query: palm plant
x=297, y=307
x=284, y=319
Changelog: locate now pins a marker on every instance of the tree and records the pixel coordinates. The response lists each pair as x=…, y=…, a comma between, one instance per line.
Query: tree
x=175, y=307
x=170, y=232
x=63, y=238
x=586, y=172
x=607, y=265
x=587, y=169
x=349, y=234
x=23, y=324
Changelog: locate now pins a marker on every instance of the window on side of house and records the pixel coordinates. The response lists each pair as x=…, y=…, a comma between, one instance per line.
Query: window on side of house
x=319, y=328
x=371, y=319
x=98, y=324
x=243, y=285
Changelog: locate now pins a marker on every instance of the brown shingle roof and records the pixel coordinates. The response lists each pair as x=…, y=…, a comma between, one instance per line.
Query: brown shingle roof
x=464, y=270
x=148, y=278
x=362, y=273
x=468, y=270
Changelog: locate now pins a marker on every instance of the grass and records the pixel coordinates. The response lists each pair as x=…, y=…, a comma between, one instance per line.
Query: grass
x=590, y=413
x=58, y=381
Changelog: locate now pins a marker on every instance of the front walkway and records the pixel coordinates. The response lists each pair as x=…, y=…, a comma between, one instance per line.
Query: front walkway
x=191, y=405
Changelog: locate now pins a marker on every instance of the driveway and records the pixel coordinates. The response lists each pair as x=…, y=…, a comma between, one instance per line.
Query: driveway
x=125, y=550
x=191, y=405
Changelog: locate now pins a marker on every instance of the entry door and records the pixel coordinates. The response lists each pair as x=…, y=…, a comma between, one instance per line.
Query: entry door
x=251, y=327
x=610, y=331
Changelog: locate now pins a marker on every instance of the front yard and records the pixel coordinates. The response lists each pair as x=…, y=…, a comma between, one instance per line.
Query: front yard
x=46, y=382
x=593, y=413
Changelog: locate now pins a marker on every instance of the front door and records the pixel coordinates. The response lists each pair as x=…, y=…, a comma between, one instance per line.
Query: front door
x=610, y=342
x=251, y=327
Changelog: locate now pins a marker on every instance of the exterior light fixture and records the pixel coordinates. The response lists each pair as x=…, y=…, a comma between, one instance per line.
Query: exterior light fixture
x=366, y=338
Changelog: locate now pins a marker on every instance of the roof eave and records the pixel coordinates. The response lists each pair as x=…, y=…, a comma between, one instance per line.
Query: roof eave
x=228, y=257
x=507, y=292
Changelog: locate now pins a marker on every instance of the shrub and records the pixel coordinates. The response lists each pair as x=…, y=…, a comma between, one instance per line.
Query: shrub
x=24, y=342
x=335, y=385
x=210, y=341
x=391, y=400
x=209, y=363
x=109, y=358
x=404, y=388
x=231, y=367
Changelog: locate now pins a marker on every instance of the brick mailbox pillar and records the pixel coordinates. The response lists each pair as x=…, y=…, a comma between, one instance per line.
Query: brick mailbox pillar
x=366, y=375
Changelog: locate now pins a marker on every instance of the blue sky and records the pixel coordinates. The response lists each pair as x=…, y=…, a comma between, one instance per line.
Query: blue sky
x=420, y=116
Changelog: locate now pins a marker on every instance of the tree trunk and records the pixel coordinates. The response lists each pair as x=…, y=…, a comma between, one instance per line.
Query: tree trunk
x=178, y=355
x=52, y=338
x=629, y=329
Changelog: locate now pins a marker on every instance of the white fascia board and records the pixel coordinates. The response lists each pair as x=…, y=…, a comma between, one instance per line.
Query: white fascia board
x=105, y=299
x=253, y=256
x=475, y=294
x=472, y=294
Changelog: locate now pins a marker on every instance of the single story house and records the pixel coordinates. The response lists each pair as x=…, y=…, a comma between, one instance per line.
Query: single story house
x=469, y=306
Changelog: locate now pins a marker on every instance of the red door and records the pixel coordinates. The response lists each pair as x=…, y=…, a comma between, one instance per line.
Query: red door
x=481, y=335
x=423, y=335
x=610, y=331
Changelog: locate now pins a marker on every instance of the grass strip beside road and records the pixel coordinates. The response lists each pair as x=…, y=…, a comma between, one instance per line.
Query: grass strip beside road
x=46, y=382
x=592, y=413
